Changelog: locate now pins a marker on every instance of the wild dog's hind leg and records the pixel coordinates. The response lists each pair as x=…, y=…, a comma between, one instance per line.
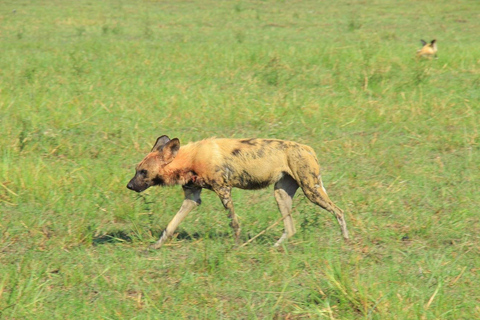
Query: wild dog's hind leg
x=192, y=200
x=285, y=189
x=315, y=192
x=225, y=194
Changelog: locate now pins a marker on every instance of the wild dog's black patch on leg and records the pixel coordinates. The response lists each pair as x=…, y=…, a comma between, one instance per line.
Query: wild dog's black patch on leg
x=190, y=185
x=236, y=152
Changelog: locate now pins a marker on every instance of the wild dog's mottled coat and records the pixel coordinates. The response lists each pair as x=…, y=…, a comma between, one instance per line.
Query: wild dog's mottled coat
x=223, y=164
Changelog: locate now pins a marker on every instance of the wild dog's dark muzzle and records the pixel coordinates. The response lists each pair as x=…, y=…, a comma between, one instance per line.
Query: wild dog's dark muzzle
x=132, y=185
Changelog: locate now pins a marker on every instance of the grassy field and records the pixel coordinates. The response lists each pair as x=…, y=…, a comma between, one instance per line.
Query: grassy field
x=87, y=86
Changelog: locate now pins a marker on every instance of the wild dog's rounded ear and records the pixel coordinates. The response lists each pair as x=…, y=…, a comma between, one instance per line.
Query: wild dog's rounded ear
x=170, y=150
x=161, y=142
x=423, y=42
x=433, y=42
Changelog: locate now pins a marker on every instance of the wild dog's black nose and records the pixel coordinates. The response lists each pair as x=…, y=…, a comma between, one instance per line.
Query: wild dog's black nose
x=130, y=185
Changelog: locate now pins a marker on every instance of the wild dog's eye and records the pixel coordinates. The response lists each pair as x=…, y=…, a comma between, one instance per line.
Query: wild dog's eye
x=143, y=172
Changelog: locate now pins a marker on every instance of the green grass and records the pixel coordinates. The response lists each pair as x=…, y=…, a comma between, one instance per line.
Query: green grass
x=86, y=87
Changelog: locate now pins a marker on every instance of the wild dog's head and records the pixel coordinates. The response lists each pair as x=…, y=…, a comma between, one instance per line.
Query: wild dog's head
x=150, y=172
x=428, y=49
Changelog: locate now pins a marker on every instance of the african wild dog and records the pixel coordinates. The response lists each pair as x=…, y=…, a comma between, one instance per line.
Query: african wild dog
x=428, y=50
x=223, y=164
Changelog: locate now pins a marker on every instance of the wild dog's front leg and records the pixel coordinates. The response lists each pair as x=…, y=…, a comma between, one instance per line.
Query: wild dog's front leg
x=192, y=200
x=225, y=194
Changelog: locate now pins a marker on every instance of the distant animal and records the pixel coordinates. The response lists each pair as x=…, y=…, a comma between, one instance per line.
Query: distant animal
x=222, y=164
x=428, y=50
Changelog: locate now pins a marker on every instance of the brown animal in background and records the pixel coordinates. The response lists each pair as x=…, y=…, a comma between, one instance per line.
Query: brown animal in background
x=223, y=164
x=428, y=50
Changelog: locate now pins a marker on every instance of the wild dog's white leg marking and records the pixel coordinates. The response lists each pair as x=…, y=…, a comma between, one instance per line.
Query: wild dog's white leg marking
x=192, y=200
x=282, y=238
x=285, y=189
x=321, y=184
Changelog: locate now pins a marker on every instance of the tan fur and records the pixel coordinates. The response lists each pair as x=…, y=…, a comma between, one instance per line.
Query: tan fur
x=223, y=164
x=428, y=50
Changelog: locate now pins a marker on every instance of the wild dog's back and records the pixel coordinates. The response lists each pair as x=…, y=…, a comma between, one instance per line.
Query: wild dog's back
x=250, y=163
